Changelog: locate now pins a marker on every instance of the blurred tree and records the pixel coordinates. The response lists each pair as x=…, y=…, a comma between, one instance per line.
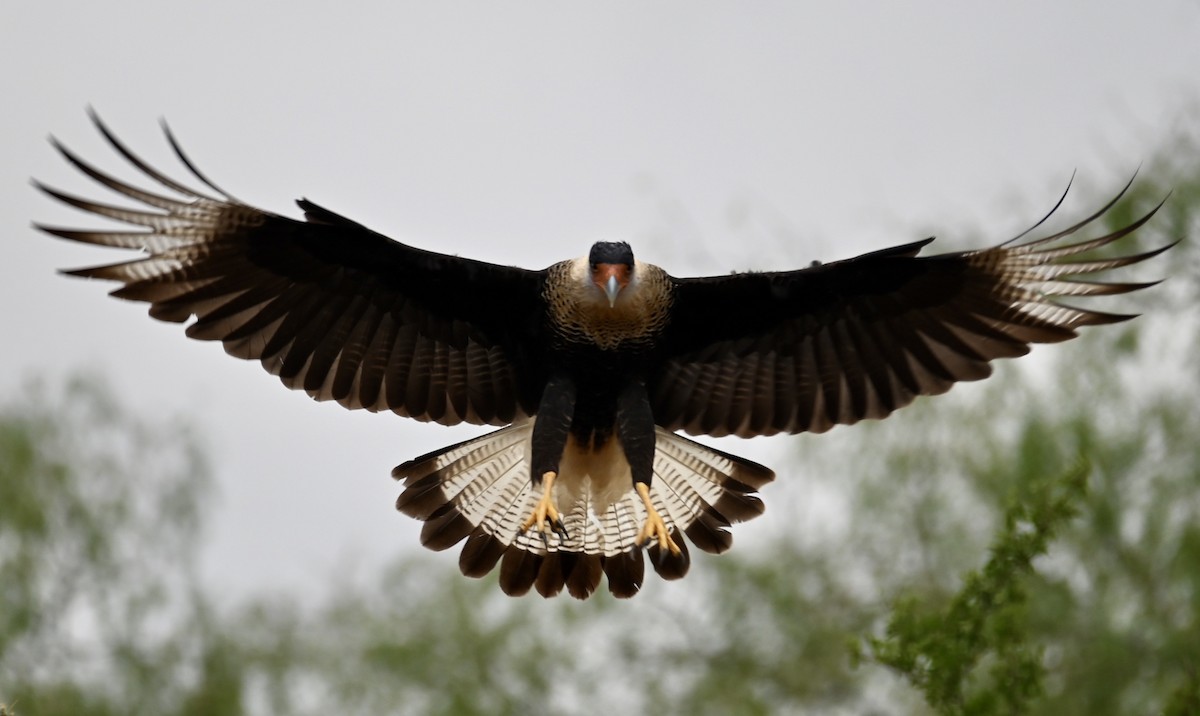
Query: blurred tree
x=1029, y=544
x=98, y=517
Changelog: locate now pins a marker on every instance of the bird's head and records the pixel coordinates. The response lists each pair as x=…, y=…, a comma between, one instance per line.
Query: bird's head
x=611, y=266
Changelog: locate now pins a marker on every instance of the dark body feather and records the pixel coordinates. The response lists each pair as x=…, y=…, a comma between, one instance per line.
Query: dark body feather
x=589, y=366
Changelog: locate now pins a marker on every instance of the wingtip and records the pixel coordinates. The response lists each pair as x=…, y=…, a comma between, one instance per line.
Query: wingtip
x=1169, y=246
x=187, y=162
x=100, y=124
x=1053, y=210
x=76, y=272
x=165, y=127
x=1146, y=255
x=1104, y=318
x=48, y=190
x=55, y=231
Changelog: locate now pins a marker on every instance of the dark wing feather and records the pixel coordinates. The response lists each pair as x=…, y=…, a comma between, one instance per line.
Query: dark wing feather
x=326, y=304
x=762, y=353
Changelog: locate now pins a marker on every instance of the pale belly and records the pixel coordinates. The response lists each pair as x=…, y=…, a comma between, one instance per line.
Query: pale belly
x=596, y=477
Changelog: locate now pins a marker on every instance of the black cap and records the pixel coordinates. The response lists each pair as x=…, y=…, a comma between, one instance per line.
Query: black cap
x=611, y=252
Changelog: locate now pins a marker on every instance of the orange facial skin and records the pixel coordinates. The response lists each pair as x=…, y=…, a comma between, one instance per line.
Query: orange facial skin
x=611, y=278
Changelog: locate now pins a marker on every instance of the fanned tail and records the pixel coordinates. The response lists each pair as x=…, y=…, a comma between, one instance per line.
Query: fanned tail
x=480, y=491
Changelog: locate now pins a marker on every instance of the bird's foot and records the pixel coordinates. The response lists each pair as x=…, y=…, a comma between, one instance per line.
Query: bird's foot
x=654, y=530
x=545, y=517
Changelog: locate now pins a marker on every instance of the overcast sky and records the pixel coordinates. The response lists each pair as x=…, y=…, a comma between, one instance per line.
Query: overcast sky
x=713, y=136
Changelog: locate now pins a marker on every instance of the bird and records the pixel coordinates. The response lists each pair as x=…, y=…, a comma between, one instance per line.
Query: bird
x=589, y=370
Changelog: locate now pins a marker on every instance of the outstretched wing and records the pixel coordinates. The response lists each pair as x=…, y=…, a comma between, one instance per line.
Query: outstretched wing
x=326, y=304
x=762, y=353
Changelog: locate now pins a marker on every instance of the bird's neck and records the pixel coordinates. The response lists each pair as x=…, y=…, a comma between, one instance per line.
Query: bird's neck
x=581, y=314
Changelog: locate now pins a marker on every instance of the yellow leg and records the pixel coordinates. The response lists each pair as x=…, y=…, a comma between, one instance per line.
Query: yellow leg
x=655, y=528
x=545, y=517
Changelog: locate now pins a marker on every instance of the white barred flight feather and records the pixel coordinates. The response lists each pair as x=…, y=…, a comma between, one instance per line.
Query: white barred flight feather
x=587, y=367
x=479, y=490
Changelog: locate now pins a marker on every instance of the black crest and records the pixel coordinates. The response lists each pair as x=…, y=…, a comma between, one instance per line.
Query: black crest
x=611, y=252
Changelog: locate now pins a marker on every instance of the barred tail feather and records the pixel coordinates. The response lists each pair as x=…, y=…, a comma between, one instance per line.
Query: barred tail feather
x=480, y=491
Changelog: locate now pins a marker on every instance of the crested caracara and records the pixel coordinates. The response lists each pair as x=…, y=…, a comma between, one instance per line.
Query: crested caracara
x=589, y=368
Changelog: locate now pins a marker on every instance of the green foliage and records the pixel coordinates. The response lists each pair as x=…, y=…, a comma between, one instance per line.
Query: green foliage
x=940, y=649
x=91, y=553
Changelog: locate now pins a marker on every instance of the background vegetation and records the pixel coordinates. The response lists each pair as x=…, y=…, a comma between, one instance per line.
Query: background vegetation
x=1027, y=545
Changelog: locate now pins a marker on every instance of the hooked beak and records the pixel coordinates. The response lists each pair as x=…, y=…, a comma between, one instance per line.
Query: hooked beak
x=611, y=278
x=611, y=289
